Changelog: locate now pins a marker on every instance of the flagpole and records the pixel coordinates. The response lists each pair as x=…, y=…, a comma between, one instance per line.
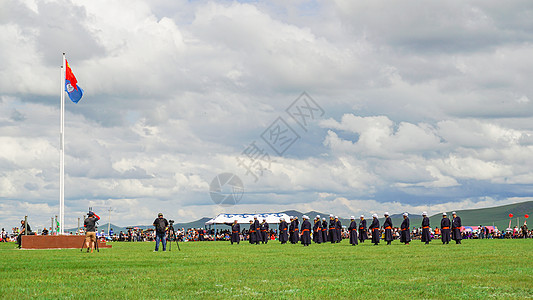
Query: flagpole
x=62, y=151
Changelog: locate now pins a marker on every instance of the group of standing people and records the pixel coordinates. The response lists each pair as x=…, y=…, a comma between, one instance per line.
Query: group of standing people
x=322, y=231
x=258, y=232
x=451, y=229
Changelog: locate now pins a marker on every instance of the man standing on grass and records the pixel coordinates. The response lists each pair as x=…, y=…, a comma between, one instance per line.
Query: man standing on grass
x=264, y=231
x=338, y=229
x=353, y=231
x=362, y=229
x=235, y=231
x=387, y=225
x=317, y=230
x=332, y=229
x=456, y=228
x=251, y=233
x=283, y=236
x=257, y=226
x=405, y=234
x=296, y=235
x=324, y=230
x=306, y=231
x=374, y=228
x=291, y=230
x=445, y=225
x=426, y=236
x=90, y=230
x=161, y=225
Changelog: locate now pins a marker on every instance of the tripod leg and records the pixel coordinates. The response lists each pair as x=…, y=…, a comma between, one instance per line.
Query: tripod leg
x=96, y=245
x=177, y=242
x=82, y=245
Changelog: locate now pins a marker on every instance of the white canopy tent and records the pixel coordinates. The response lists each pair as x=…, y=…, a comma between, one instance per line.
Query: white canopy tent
x=246, y=218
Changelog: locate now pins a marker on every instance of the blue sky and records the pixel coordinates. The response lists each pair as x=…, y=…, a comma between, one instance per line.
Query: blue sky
x=427, y=106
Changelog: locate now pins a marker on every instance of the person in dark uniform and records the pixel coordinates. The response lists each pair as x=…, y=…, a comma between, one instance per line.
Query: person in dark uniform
x=258, y=236
x=317, y=230
x=283, y=236
x=456, y=228
x=251, y=233
x=374, y=228
x=324, y=230
x=264, y=231
x=362, y=230
x=332, y=229
x=426, y=235
x=352, y=229
x=291, y=230
x=405, y=235
x=338, y=229
x=235, y=230
x=296, y=235
x=445, y=225
x=387, y=225
x=306, y=231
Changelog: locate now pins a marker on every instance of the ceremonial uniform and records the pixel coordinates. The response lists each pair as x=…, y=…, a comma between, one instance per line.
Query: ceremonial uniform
x=405, y=235
x=283, y=236
x=426, y=235
x=251, y=233
x=332, y=230
x=374, y=227
x=445, y=225
x=456, y=229
x=258, y=237
x=387, y=225
x=324, y=230
x=291, y=232
x=317, y=232
x=296, y=235
x=235, y=230
x=264, y=232
x=338, y=228
x=306, y=232
x=362, y=230
x=353, y=232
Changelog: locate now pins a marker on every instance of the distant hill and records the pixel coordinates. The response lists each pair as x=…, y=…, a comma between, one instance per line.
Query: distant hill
x=498, y=216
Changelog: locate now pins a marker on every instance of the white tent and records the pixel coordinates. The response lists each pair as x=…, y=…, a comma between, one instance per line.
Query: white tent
x=246, y=218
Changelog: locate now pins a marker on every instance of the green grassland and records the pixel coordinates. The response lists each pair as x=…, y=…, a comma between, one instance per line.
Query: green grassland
x=217, y=270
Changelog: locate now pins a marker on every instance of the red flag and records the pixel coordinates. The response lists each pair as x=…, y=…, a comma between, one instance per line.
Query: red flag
x=70, y=77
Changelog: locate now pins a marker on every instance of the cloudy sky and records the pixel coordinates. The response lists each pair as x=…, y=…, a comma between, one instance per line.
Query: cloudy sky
x=411, y=106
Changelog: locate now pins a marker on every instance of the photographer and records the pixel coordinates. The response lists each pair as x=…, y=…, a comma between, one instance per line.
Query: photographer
x=161, y=225
x=90, y=230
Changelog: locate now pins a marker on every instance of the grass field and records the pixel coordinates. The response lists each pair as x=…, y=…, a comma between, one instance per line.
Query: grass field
x=475, y=269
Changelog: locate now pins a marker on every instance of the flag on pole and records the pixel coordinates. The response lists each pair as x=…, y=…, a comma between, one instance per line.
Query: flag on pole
x=71, y=85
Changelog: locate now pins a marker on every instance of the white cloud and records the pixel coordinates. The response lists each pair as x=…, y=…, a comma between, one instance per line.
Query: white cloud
x=427, y=105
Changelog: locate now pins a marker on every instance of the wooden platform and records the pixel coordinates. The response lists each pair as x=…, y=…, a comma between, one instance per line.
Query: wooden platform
x=56, y=242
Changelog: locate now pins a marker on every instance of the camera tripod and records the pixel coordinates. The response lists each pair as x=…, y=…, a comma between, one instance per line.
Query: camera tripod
x=95, y=245
x=172, y=233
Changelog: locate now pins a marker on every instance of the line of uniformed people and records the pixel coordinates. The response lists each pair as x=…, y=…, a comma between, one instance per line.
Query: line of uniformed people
x=322, y=231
